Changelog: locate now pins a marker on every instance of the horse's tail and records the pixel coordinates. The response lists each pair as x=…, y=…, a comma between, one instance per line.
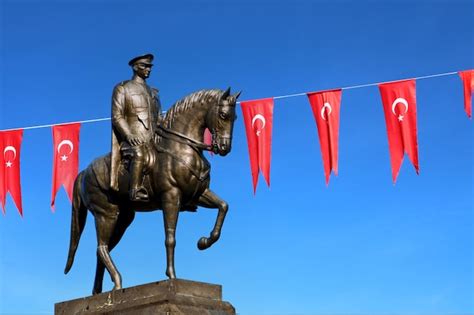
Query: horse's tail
x=78, y=221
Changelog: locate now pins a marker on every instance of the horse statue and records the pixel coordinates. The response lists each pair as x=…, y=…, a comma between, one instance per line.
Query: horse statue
x=177, y=180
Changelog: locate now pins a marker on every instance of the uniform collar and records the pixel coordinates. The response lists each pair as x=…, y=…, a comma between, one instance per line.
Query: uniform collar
x=138, y=80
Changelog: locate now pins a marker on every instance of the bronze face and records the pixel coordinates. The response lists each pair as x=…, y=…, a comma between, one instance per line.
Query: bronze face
x=142, y=70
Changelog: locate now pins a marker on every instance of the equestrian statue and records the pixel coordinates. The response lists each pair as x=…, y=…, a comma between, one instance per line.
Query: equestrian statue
x=156, y=163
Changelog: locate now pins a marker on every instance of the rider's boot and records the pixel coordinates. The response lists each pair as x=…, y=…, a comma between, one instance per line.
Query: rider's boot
x=137, y=191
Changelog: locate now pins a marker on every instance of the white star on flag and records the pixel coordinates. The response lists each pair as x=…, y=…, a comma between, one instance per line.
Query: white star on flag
x=400, y=118
x=64, y=158
x=9, y=164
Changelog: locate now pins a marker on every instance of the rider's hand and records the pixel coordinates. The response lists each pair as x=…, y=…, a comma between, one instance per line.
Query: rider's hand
x=134, y=140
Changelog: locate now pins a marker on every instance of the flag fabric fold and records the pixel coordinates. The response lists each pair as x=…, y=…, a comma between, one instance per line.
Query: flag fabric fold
x=65, y=158
x=10, y=142
x=399, y=104
x=467, y=77
x=258, y=119
x=326, y=109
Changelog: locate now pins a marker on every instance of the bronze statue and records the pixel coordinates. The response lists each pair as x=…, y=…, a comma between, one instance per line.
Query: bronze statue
x=176, y=177
x=135, y=111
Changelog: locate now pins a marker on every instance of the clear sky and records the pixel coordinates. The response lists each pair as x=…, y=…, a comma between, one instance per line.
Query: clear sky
x=361, y=245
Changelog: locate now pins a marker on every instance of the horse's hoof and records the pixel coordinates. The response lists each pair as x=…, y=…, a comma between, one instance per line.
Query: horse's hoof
x=117, y=287
x=171, y=274
x=215, y=237
x=203, y=243
x=96, y=290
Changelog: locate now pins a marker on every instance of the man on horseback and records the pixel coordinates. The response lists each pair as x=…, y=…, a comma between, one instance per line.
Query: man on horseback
x=135, y=114
x=179, y=173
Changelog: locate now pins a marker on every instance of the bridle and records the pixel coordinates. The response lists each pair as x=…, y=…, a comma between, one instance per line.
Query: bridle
x=179, y=137
x=195, y=144
x=214, y=130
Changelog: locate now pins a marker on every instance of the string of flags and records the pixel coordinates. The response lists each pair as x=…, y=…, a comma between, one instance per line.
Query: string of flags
x=399, y=104
x=65, y=162
x=398, y=100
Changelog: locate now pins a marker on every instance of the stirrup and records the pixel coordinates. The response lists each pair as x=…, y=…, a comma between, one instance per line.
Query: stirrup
x=139, y=194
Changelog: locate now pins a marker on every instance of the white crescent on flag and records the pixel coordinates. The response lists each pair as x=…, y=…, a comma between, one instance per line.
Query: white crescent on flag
x=10, y=148
x=326, y=105
x=66, y=142
x=399, y=100
x=261, y=118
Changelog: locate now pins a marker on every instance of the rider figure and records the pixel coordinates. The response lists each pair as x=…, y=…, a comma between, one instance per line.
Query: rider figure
x=135, y=115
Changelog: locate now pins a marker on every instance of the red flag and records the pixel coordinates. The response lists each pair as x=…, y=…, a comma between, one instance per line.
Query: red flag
x=66, y=158
x=399, y=104
x=258, y=118
x=208, y=139
x=468, y=82
x=326, y=109
x=3, y=189
x=10, y=142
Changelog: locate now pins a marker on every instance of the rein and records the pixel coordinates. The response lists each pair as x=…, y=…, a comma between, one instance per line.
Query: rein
x=196, y=145
x=179, y=137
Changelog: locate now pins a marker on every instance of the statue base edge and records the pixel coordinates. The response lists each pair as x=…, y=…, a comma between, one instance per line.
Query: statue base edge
x=168, y=297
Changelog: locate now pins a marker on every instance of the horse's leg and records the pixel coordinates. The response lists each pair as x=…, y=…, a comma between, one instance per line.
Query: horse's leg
x=210, y=200
x=105, y=222
x=99, y=276
x=125, y=218
x=171, y=205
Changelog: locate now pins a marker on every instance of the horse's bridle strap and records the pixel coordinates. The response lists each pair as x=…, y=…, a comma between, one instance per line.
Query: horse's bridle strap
x=165, y=132
x=201, y=177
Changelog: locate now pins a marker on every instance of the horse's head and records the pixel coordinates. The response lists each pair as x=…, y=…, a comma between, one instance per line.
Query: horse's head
x=220, y=121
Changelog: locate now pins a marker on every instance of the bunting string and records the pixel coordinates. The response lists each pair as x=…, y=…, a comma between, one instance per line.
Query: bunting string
x=63, y=123
x=398, y=100
x=275, y=97
x=373, y=84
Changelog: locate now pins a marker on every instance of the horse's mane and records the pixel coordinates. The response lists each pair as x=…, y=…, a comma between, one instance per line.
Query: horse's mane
x=197, y=98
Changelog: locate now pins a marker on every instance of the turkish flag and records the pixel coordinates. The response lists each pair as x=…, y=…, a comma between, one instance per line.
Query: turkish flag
x=208, y=139
x=326, y=109
x=10, y=146
x=3, y=189
x=258, y=119
x=468, y=82
x=66, y=158
x=399, y=104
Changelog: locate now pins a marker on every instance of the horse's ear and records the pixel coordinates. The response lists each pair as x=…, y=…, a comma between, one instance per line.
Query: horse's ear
x=236, y=96
x=226, y=93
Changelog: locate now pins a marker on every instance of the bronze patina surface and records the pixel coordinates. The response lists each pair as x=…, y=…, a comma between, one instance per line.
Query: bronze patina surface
x=157, y=163
x=135, y=112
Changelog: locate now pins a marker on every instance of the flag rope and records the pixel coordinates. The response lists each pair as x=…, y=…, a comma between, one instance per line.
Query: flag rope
x=64, y=123
x=373, y=84
x=275, y=97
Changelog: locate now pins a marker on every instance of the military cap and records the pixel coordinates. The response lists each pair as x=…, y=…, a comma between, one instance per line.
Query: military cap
x=145, y=59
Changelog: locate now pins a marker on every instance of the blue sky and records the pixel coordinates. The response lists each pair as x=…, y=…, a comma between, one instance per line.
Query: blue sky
x=361, y=245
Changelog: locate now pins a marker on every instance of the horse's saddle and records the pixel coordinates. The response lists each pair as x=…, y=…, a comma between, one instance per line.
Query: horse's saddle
x=101, y=169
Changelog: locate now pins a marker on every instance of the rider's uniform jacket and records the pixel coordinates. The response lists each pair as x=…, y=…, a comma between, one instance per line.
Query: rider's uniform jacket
x=135, y=111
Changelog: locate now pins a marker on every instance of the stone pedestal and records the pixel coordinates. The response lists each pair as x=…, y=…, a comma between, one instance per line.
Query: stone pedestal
x=170, y=297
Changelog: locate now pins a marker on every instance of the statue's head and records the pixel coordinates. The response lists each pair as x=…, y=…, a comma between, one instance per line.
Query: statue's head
x=142, y=65
x=221, y=122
